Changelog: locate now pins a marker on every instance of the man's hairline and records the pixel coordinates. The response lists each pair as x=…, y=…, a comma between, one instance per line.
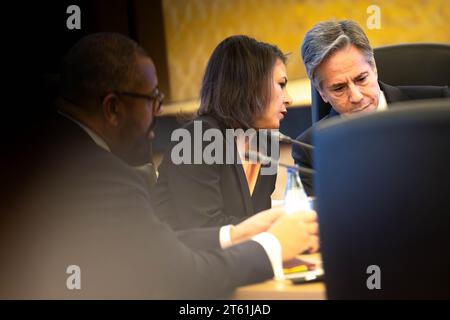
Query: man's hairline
x=318, y=86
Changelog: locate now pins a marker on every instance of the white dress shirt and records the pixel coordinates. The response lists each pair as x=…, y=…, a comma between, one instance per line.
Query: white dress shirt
x=382, y=103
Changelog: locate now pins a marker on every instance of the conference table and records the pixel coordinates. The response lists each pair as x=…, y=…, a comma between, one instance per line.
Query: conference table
x=283, y=290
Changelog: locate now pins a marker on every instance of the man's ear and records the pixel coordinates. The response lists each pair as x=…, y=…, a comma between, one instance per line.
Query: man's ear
x=111, y=109
x=321, y=94
x=318, y=85
x=375, y=70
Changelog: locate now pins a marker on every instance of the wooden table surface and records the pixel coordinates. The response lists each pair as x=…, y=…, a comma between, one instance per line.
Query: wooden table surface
x=283, y=290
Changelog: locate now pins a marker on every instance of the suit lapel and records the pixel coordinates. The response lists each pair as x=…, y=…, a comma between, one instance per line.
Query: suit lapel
x=237, y=168
x=245, y=191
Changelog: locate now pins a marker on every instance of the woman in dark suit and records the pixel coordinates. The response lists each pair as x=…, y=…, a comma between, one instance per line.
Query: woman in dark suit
x=244, y=87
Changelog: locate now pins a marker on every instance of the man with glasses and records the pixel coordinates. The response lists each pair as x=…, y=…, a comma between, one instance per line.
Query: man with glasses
x=147, y=170
x=125, y=110
x=85, y=226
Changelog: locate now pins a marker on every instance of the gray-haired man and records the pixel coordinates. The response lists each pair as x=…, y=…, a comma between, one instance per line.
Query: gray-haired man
x=340, y=64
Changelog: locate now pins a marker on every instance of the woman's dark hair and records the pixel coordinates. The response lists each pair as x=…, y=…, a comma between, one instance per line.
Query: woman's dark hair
x=236, y=87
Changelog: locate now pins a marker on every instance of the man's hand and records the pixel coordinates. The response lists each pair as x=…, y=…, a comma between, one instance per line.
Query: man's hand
x=260, y=222
x=297, y=232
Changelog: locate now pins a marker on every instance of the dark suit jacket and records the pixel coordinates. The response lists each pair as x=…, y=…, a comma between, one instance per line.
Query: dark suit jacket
x=303, y=156
x=83, y=206
x=200, y=195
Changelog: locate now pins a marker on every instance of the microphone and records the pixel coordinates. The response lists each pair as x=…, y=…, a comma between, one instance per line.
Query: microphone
x=287, y=139
x=265, y=159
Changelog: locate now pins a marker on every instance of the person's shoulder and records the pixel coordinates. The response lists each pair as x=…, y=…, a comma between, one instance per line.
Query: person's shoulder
x=74, y=149
x=401, y=93
x=307, y=135
x=425, y=92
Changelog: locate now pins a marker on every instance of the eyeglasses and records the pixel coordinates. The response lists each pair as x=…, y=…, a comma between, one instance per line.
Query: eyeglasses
x=156, y=96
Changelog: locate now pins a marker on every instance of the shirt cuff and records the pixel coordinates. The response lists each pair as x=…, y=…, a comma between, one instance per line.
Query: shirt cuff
x=273, y=249
x=225, y=237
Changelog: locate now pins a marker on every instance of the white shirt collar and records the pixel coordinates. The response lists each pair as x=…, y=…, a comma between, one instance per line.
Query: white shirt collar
x=97, y=139
x=382, y=103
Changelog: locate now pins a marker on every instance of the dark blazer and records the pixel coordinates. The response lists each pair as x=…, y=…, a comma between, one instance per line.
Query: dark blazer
x=201, y=195
x=83, y=206
x=303, y=156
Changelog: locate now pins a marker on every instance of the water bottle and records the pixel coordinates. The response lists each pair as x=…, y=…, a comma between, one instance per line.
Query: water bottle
x=295, y=197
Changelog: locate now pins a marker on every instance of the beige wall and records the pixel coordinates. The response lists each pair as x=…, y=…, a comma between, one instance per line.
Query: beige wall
x=195, y=27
